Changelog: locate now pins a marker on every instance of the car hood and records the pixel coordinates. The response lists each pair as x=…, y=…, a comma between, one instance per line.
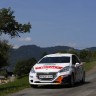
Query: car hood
x=50, y=67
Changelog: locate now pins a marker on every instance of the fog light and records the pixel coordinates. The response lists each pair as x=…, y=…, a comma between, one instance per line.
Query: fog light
x=31, y=80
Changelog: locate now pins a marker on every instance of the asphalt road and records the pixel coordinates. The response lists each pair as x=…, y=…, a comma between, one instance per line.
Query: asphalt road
x=87, y=89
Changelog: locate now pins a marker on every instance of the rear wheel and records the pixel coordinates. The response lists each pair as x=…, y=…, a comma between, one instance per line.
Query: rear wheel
x=83, y=78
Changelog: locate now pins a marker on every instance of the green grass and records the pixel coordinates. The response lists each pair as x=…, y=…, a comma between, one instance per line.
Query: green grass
x=89, y=65
x=22, y=83
x=11, y=87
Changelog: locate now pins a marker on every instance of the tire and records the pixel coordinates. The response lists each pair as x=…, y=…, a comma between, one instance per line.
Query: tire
x=34, y=86
x=71, y=80
x=83, y=78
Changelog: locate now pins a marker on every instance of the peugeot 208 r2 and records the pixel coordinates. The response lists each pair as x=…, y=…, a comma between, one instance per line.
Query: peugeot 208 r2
x=56, y=69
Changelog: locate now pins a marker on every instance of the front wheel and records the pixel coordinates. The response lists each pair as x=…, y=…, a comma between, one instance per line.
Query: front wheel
x=71, y=80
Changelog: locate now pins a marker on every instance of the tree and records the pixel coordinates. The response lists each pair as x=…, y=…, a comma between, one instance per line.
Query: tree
x=85, y=55
x=9, y=26
x=24, y=67
x=45, y=53
x=73, y=51
x=4, y=72
x=4, y=49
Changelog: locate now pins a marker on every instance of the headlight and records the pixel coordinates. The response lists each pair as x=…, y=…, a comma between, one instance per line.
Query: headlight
x=32, y=70
x=65, y=69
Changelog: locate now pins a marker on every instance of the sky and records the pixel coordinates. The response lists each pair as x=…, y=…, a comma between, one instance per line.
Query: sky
x=55, y=22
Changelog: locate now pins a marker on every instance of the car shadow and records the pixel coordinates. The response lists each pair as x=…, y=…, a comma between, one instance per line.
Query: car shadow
x=51, y=87
x=82, y=84
x=62, y=86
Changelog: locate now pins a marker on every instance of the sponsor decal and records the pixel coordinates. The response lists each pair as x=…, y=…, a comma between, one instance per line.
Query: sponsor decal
x=48, y=67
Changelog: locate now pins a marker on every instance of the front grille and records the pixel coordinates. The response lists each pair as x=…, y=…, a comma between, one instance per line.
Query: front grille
x=53, y=74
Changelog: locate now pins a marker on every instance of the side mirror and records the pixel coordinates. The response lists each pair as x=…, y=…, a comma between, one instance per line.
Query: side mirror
x=77, y=64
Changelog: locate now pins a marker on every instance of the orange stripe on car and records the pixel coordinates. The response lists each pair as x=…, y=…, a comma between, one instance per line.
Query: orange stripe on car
x=59, y=79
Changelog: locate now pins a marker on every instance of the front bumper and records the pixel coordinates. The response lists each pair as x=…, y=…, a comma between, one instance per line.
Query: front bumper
x=58, y=79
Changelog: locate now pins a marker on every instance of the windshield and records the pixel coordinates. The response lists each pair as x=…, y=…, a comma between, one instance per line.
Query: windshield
x=55, y=60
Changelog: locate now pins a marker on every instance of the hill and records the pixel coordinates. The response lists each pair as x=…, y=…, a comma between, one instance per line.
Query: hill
x=91, y=49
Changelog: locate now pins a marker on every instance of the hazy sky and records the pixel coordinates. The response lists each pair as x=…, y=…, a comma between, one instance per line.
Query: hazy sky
x=55, y=22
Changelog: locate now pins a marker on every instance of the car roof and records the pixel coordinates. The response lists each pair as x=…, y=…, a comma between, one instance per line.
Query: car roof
x=59, y=55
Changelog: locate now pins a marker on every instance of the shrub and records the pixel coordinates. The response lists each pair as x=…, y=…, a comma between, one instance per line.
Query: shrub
x=23, y=67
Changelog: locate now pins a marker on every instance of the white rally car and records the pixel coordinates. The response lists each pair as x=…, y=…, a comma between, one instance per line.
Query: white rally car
x=56, y=69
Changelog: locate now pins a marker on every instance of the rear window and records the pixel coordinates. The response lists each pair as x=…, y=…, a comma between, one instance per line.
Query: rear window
x=55, y=60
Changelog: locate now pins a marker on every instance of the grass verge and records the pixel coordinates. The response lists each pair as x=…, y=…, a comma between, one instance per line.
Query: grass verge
x=88, y=66
x=15, y=86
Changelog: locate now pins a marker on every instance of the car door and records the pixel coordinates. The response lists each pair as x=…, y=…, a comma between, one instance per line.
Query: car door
x=77, y=66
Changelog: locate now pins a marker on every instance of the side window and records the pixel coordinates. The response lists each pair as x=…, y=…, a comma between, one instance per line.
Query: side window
x=75, y=60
